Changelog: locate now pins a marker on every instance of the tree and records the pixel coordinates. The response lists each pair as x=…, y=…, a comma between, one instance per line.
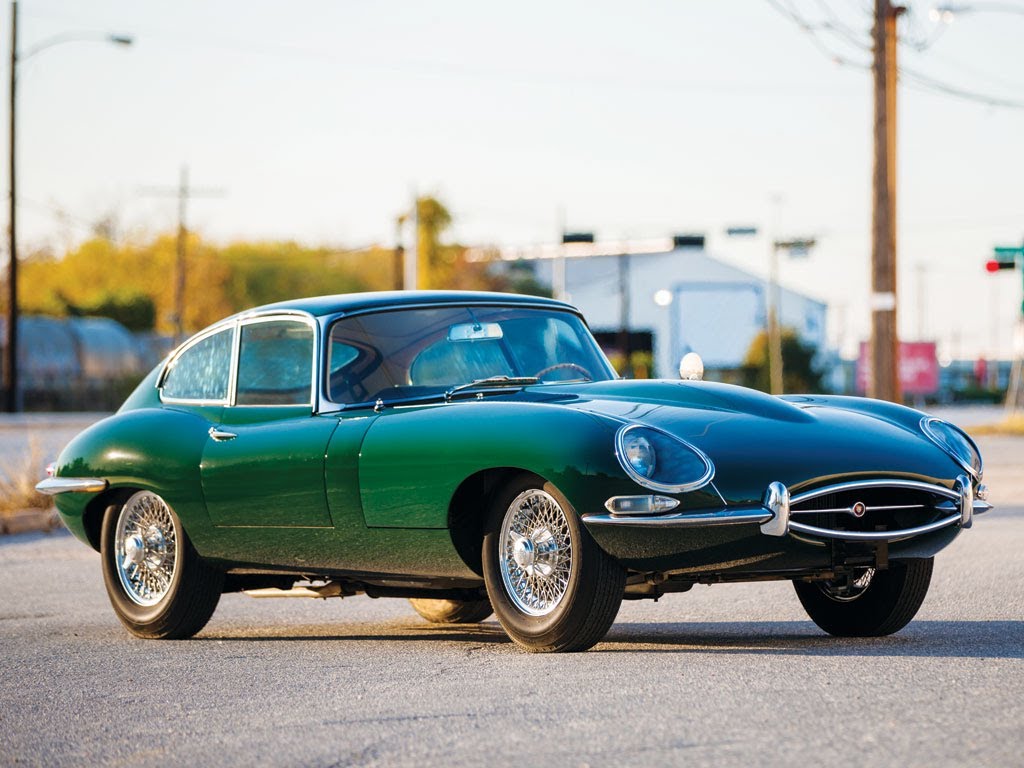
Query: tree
x=799, y=371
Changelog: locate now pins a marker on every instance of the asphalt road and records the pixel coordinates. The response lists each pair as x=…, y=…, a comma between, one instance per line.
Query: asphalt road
x=723, y=675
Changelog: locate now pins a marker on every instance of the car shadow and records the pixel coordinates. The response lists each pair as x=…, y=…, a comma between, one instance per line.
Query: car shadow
x=938, y=639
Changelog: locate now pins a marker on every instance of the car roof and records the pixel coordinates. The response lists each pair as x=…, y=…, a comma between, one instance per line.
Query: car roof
x=345, y=303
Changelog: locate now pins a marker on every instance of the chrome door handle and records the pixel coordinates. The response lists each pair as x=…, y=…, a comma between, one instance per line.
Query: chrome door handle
x=221, y=436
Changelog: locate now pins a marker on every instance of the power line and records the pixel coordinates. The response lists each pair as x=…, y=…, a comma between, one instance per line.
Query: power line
x=910, y=77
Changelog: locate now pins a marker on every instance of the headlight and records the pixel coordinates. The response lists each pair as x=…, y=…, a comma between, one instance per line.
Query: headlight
x=661, y=462
x=956, y=443
x=639, y=453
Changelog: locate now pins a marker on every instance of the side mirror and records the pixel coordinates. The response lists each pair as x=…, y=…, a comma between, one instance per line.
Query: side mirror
x=691, y=367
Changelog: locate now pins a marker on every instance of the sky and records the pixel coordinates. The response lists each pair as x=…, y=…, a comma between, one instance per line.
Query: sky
x=318, y=121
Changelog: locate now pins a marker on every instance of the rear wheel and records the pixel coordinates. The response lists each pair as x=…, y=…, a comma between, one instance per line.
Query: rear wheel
x=452, y=611
x=157, y=583
x=552, y=587
x=868, y=603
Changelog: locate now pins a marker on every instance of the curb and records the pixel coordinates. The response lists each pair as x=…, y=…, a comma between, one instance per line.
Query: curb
x=26, y=520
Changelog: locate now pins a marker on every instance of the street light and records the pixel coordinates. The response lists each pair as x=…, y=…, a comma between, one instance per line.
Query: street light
x=11, y=403
x=800, y=247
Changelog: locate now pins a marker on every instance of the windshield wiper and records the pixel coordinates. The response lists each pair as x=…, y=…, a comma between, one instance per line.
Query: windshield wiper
x=493, y=382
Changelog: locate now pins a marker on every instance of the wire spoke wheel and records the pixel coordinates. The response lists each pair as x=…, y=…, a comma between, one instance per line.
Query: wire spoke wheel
x=146, y=550
x=848, y=589
x=536, y=557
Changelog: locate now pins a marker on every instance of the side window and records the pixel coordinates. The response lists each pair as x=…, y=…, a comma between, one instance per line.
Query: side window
x=201, y=372
x=275, y=363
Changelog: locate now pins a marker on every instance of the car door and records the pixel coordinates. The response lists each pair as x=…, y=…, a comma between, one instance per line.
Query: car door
x=263, y=464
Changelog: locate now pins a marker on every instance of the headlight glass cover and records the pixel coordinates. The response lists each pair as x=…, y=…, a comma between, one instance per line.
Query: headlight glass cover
x=956, y=443
x=661, y=462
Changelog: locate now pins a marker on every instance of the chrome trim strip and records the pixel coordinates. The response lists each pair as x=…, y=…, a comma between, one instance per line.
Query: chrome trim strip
x=925, y=425
x=735, y=516
x=709, y=467
x=854, y=485
x=906, y=533
x=52, y=486
x=849, y=510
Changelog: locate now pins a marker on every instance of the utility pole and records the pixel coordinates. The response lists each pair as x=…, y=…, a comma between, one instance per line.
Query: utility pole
x=11, y=348
x=624, y=337
x=885, y=382
x=410, y=272
x=774, y=332
x=399, y=263
x=183, y=193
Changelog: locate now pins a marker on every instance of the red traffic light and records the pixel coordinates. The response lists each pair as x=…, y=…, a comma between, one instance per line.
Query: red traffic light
x=994, y=265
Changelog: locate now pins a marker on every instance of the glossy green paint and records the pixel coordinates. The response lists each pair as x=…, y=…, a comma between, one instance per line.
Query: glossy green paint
x=272, y=473
x=413, y=459
x=754, y=439
x=156, y=449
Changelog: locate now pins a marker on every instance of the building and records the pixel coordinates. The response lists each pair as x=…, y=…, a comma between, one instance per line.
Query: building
x=688, y=299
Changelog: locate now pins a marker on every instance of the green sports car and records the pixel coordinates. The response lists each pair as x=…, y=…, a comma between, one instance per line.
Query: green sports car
x=476, y=453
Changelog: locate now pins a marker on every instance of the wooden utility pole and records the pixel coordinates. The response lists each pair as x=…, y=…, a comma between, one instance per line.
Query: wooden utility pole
x=183, y=193
x=885, y=382
x=11, y=400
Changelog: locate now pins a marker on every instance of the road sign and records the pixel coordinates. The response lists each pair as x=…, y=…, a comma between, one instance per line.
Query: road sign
x=1008, y=251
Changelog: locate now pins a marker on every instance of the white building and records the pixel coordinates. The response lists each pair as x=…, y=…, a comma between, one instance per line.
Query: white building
x=715, y=309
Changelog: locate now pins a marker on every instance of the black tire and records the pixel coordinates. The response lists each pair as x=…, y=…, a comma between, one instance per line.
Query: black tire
x=452, y=611
x=588, y=597
x=886, y=605
x=186, y=600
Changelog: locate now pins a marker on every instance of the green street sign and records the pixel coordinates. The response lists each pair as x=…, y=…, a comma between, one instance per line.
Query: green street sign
x=1009, y=250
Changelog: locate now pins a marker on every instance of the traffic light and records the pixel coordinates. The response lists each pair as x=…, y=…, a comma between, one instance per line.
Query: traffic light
x=994, y=265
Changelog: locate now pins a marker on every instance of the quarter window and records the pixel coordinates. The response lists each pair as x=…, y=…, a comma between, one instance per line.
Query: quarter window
x=275, y=363
x=201, y=372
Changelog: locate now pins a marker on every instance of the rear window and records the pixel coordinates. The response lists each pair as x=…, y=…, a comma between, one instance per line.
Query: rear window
x=201, y=372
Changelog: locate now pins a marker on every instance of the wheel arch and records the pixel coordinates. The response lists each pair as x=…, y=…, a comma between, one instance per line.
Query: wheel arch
x=468, y=511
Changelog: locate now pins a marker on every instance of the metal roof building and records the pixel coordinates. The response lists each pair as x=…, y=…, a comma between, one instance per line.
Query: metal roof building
x=705, y=305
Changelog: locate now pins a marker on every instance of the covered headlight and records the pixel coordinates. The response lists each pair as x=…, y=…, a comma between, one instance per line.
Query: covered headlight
x=955, y=442
x=661, y=462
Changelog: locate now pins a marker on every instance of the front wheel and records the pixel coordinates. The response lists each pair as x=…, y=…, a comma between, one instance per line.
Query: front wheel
x=552, y=588
x=157, y=583
x=868, y=603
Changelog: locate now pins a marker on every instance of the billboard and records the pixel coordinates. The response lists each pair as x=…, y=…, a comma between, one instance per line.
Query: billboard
x=919, y=368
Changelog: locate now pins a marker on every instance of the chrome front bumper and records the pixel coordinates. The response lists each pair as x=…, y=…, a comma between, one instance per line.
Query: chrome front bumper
x=775, y=512
x=52, y=486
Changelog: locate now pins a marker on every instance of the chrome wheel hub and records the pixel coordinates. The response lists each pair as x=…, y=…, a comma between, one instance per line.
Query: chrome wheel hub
x=536, y=552
x=146, y=548
x=850, y=588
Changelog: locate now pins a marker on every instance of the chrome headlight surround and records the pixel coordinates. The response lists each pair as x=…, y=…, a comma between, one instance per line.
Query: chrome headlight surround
x=956, y=443
x=667, y=449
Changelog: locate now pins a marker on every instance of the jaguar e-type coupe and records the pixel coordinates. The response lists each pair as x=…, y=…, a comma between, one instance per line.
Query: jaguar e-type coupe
x=476, y=452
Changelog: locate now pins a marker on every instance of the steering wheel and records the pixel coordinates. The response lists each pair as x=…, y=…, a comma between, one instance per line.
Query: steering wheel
x=540, y=374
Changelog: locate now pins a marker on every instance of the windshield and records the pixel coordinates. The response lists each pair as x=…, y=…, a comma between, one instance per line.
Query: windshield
x=427, y=351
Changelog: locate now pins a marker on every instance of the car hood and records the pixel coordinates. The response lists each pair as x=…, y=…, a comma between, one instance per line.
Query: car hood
x=754, y=439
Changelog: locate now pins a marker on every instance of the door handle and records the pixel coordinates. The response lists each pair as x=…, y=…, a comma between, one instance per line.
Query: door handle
x=221, y=436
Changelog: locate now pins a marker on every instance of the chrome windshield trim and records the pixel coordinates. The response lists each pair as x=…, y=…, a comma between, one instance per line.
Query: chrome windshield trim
x=855, y=485
x=734, y=516
x=52, y=486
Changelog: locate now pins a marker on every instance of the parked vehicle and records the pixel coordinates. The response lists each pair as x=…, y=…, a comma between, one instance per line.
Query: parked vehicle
x=477, y=452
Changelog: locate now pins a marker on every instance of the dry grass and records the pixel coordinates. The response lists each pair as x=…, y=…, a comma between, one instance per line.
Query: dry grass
x=18, y=483
x=1012, y=425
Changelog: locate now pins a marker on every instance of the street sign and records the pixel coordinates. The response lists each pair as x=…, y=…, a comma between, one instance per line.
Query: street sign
x=1009, y=251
